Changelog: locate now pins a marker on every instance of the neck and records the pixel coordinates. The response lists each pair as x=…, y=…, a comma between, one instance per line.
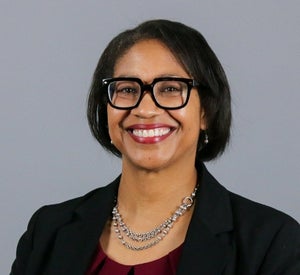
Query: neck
x=155, y=193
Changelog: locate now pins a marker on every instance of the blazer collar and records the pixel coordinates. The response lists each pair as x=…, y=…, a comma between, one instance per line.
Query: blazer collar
x=207, y=247
x=76, y=241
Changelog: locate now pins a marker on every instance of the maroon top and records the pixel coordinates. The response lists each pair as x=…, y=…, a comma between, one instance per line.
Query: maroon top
x=102, y=265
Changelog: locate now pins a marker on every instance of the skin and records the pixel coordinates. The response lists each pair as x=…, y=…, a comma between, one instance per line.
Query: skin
x=156, y=172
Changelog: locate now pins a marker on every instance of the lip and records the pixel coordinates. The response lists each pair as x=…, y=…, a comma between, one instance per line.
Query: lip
x=150, y=133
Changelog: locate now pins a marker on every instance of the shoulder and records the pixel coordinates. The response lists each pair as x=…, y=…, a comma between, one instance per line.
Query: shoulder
x=56, y=214
x=264, y=238
x=247, y=212
x=48, y=220
x=239, y=212
x=244, y=212
x=266, y=234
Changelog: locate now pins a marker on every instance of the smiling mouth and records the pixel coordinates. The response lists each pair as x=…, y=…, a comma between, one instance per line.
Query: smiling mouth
x=144, y=133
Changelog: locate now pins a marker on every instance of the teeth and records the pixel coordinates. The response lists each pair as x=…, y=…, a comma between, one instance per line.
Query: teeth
x=158, y=132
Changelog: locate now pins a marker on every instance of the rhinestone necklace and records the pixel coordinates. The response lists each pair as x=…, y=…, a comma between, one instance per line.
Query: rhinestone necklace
x=153, y=237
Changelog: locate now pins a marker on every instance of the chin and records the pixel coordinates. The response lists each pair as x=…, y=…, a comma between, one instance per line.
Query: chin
x=150, y=165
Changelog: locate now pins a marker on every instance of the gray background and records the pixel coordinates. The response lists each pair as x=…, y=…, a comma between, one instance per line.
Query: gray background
x=48, y=52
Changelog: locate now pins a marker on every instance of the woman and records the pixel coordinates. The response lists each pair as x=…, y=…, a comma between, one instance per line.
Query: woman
x=160, y=100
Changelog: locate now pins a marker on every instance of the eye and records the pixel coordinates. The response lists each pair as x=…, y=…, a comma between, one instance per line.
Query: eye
x=126, y=88
x=170, y=88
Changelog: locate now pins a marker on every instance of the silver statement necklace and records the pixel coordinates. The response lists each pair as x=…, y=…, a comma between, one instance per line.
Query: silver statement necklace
x=143, y=240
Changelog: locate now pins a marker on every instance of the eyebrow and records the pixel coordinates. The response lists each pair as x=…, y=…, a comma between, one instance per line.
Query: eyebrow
x=157, y=76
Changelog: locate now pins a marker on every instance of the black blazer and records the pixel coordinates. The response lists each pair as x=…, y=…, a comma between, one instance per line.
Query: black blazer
x=228, y=234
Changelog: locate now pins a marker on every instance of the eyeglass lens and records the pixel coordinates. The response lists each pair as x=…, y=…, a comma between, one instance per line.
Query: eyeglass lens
x=166, y=93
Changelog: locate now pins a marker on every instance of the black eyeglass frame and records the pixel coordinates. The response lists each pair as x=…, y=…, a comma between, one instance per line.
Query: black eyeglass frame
x=191, y=83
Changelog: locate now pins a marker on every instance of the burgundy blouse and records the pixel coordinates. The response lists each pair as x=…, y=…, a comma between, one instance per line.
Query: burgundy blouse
x=102, y=265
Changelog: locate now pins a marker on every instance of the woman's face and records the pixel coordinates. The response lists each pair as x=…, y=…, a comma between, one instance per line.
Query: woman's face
x=172, y=134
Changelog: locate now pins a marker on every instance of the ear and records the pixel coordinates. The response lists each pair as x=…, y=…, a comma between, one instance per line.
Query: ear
x=203, y=123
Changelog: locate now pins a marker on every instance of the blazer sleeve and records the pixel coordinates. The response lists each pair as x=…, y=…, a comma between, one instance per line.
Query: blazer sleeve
x=25, y=246
x=283, y=255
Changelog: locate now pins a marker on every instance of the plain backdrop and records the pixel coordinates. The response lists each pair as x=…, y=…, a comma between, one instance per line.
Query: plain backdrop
x=48, y=52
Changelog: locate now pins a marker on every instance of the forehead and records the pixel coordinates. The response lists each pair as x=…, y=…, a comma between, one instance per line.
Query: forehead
x=149, y=57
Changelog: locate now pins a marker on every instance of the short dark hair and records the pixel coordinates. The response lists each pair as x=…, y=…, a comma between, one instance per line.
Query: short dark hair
x=193, y=52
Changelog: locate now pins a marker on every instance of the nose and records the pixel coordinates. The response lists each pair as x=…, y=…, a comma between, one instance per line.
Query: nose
x=147, y=107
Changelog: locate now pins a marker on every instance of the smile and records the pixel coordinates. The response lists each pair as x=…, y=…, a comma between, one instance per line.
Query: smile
x=149, y=134
x=158, y=132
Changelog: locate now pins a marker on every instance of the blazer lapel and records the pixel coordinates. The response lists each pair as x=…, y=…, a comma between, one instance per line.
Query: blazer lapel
x=208, y=246
x=76, y=242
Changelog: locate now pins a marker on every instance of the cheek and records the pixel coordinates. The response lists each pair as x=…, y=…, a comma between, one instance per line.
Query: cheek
x=113, y=116
x=190, y=116
x=109, y=120
x=115, y=119
x=112, y=121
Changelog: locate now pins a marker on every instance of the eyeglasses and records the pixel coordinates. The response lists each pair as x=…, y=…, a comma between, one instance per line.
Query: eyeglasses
x=167, y=92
